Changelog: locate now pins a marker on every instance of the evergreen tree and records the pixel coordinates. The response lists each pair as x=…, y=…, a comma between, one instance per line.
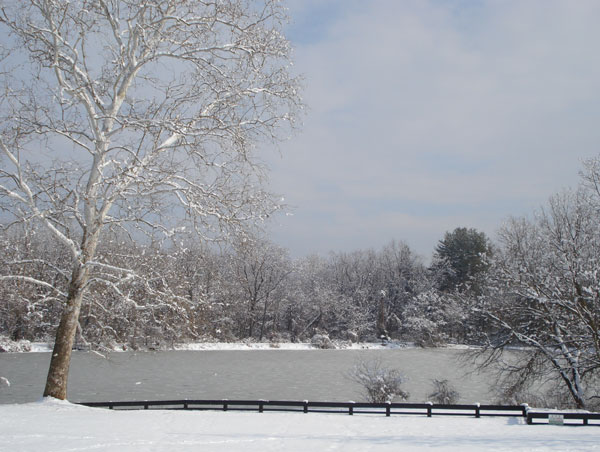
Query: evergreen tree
x=459, y=258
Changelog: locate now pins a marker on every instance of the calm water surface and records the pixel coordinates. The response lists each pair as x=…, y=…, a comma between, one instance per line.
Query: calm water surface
x=243, y=374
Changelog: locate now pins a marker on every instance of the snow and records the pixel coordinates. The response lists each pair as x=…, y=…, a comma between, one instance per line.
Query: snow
x=242, y=346
x=43, y=347
x=284, y=346
x=55, y=426
x=20, y=346
x=6, y=345
x=339, y=345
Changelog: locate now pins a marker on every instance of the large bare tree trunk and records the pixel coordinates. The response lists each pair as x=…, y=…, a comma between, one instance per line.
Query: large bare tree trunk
x=58, y=374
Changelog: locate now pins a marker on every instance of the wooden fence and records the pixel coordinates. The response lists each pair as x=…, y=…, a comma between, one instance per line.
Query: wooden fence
x=351, y=408
x=305, y=406
x=566, y=418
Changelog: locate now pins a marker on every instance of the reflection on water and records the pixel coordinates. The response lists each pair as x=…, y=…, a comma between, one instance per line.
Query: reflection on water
x=256, y=374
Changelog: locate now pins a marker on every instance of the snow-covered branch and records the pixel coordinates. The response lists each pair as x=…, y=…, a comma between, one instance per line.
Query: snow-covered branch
x=139, y=106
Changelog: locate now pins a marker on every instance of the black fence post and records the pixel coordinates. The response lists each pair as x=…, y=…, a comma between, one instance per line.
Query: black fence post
x=429, y=407
x=477, y=410
x=306, y=406
x=351, y=409
x=388, y=408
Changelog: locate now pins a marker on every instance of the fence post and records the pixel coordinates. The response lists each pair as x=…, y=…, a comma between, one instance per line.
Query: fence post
x=477, y=410
x=387, y=408
x=429, y=407
x=525, y=412
x=351, y=409
x=261, y=406
x=306, y=406
x=145, y=405
x=225, y=405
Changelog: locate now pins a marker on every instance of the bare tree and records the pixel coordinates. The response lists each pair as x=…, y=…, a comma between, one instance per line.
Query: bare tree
x=261, y=268
x=443, y=392
x=380, y=384
x=139, y=115
x=544, y=294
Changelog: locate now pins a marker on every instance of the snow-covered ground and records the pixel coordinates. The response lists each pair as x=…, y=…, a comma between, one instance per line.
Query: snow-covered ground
x=286, y=346
x=9, y=346
x=54, y=426
x=26, y=346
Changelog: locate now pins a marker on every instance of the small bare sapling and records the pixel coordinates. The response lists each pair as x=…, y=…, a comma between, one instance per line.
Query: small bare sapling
x=380, y=384
x=443, y=393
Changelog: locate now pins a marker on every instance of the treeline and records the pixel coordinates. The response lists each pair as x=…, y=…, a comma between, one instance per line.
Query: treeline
x=252, y=290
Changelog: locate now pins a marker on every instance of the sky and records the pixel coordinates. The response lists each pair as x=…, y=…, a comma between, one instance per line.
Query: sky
x=427, y=115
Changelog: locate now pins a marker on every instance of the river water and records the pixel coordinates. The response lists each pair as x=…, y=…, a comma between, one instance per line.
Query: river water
x=239, y=374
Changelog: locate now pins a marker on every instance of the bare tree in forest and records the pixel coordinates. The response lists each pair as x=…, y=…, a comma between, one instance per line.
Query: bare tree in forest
x=139, y=115
x=261, y=268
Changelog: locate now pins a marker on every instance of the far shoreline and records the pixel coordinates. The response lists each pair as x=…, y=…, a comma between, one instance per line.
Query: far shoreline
x=24, y=346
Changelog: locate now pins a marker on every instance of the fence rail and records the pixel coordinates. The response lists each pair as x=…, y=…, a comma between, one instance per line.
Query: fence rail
x=389, y=408
x=550, y=417
x=304, y=406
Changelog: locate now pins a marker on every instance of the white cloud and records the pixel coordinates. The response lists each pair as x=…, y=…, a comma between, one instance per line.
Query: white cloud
x=470, y=110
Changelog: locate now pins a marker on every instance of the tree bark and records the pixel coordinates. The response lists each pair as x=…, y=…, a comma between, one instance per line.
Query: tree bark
x=264, y=319
x=381, y=323
x=58, y=374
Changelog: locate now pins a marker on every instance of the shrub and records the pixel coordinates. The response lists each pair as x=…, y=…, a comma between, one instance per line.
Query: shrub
x=321, y=341
x=443, y=393
x=380, y=384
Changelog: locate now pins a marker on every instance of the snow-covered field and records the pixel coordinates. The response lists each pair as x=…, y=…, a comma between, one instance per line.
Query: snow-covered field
x=51, y=425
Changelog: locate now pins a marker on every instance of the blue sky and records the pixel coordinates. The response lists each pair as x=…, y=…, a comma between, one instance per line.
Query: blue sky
x=424, y=116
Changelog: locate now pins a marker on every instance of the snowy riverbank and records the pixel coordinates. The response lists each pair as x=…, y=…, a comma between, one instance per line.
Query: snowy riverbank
x=39, y=347
x=22, y=346
x=288, y=346
x=56, y=426
x=26, y=346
